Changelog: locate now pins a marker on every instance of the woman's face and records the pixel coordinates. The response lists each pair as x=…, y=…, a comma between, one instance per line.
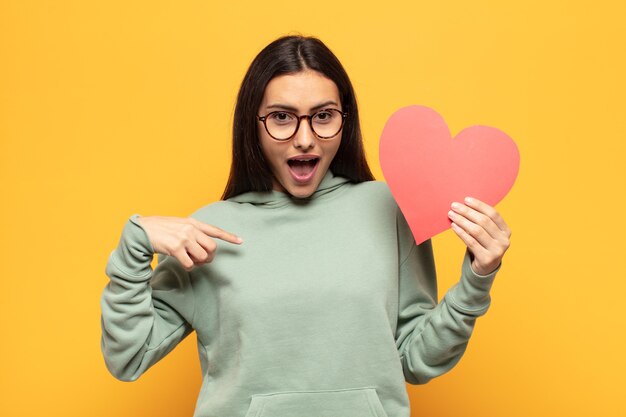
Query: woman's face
x=302, y=93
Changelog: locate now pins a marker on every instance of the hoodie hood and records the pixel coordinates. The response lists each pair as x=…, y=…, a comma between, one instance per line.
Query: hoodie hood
x=271, y=199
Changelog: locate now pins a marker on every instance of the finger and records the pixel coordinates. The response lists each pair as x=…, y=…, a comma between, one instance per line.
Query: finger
x=476, y=231
x=480, y=219
x=483, y=260
x=199, y=254
x=472, y=244
x=184, y=259
x=490, y=212
x=216, y=232
x=207, y=244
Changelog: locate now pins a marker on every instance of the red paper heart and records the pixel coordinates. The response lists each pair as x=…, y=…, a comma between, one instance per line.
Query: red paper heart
x=426, y=169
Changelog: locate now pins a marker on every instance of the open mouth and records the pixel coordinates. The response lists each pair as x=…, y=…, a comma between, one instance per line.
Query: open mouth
x=303, y=169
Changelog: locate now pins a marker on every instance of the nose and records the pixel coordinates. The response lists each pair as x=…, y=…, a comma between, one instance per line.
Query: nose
x=304, y=138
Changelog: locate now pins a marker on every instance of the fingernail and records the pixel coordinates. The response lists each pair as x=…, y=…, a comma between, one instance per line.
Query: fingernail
x=469, y=200
x=451, y=213
x=455, y=205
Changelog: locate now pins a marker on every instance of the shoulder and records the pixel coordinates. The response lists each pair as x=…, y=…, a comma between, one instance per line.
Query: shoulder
x=371, y=187
x=371, y=200
x=374, y=192
x=216, y=211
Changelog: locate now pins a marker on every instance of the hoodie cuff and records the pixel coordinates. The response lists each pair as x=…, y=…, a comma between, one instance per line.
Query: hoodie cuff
x=471, y=294
x=134, y=252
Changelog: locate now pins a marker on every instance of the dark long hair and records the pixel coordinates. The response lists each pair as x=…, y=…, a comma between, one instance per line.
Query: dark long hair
x=249, y=170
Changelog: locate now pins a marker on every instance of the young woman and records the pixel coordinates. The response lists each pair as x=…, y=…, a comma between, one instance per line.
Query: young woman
x=327, y=306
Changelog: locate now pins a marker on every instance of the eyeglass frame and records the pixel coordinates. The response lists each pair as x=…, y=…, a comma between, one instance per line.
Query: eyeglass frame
x=299, y=118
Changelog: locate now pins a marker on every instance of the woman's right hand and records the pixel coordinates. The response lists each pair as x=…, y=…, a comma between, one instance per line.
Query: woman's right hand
x=185, y=238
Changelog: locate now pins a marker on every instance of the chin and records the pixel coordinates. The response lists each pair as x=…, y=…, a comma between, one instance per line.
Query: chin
x=302, y=192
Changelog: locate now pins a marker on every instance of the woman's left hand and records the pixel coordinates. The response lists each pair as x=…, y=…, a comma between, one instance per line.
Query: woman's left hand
x=484, y=232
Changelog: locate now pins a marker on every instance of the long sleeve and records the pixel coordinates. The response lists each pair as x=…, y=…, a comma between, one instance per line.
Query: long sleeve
x=431, y=337
x=145, y=314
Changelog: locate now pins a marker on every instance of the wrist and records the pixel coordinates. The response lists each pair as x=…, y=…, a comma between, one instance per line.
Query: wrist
x=484, y=270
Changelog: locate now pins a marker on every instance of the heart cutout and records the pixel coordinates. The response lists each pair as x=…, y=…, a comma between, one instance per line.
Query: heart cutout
x=426, y=169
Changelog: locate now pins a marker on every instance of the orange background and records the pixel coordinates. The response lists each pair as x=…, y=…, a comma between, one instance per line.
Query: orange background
x=114, y=108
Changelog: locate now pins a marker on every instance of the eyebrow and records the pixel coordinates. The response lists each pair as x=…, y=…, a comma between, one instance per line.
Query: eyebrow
x=286, y=107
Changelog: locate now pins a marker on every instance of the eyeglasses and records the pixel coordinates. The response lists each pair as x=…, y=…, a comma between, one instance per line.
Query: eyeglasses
x=283, y=125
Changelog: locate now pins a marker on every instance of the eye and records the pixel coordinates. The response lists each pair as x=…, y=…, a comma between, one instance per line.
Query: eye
x=281, y=117
x=324, y=116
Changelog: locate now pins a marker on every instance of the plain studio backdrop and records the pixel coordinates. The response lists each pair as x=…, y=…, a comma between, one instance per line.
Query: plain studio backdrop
x=109, y=108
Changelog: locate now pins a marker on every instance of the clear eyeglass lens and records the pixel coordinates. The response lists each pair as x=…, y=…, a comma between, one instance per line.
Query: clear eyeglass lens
x=326, y=123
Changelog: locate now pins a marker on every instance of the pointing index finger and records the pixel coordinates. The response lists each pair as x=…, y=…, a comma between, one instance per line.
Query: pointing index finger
x=216, y=232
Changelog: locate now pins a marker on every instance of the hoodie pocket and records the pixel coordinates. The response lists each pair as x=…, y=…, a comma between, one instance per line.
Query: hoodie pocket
x=356, y=402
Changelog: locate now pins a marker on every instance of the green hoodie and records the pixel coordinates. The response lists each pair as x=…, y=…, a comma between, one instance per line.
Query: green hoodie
x=325, y=310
